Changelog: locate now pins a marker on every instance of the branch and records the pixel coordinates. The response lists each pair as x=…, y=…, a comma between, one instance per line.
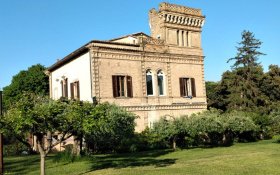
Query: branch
x=63, y=138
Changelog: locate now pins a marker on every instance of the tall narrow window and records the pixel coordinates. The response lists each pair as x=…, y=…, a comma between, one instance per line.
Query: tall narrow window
x=64, y=87
x=178, y=37
x=160, y=80
x=149, y=82
x=75, y=90
x=187, y=87
x=122, y=86
x=183, y=37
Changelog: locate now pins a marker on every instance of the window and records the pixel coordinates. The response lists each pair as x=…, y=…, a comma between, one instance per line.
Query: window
x=183, y=38
x=187, y=87
x=122, y=86
x=149, y=82
x=160, y=80
x=75, y=90
x=64, y=87
x=178, y=37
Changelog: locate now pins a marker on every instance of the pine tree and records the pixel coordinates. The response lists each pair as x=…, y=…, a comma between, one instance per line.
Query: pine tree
x=247, y=55
x=244, y=86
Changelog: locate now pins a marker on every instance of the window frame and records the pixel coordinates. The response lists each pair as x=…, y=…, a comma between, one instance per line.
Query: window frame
x=187, y=87
x=75, y=90
x=150, y=73
x=117, y=86
x=64, y=88
x=160, y=73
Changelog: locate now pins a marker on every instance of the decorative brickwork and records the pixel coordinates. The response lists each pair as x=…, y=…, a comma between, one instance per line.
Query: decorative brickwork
x=173, y=49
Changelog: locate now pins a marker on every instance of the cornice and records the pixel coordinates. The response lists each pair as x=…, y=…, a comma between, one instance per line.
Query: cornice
x=179, y=9
x=166, y=107
x=149, y=57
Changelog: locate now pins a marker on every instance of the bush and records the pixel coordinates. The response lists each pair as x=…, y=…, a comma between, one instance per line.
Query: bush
x=277, y=138
x=108, y=128
x=66, y=155
x=208, y=128
x=16, y=148
x=242, y=127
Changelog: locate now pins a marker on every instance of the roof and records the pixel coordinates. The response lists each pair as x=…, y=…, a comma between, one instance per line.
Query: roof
x=132, y=35
x=80, y=51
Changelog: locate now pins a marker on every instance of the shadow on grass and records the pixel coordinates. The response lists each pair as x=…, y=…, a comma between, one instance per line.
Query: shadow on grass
x=118, y=161
x=30, y=164
x=17, y=165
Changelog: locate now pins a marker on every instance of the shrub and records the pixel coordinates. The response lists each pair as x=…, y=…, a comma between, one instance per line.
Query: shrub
x=108, y=128
x=242, y=127
x=16, y=148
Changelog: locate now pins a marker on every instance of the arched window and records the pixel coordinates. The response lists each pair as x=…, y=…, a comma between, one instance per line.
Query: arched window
x=160, y=80
x=149, y=82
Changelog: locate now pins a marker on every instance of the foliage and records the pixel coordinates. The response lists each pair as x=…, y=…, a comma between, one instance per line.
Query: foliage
x=247, y=53
x=16, y=148
x=108, y=126
x=32, y=80
x=75, y=114
x=215, y=95
x=242, y=127
x=270, y=84
x=208, y=128
x=39, y=116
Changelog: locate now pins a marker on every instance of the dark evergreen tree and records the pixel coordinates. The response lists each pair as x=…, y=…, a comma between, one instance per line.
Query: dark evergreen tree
x=33, y=80
x=247, y=52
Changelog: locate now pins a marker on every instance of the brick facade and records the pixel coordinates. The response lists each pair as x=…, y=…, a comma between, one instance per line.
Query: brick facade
x=173, y=51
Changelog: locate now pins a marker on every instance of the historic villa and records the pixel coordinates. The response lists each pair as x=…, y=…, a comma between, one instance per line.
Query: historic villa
x=152, y=76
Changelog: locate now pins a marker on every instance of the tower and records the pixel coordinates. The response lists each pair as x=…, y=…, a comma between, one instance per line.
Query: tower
x=177, y=25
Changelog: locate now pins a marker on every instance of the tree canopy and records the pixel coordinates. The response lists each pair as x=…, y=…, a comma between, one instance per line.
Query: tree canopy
x=32, y=80
x=248, y=51
x=246, y=86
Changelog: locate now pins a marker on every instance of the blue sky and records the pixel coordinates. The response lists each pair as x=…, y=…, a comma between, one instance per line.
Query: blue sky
x=37, y=31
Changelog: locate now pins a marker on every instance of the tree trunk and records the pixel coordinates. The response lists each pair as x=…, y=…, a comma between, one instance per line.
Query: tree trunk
x=76, y=146
x=81, y=144
x=174, y=143
x=42, y=163
x=40, y=145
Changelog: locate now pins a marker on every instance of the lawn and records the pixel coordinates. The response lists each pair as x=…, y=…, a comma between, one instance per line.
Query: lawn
x=261, y=157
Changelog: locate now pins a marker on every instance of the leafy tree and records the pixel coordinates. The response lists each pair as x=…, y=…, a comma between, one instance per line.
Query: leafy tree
x=40, y=117
x=33, y=80
x=107, y=127
x=241, y=126
x=170, y=129
x=76, y=113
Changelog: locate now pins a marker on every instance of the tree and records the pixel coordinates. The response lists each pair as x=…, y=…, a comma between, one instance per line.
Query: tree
x=33, y=80
x=41, y=117
x=242, y=84
x=247, y=55
x=107, y=127
x=76, y=113
x=270, y=84
x=215, y=92
x=170, y=129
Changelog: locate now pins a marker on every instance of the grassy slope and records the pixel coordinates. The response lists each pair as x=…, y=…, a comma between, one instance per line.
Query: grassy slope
x=248, y=158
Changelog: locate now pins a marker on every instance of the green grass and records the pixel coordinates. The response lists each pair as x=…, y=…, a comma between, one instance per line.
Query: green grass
x=243, y=158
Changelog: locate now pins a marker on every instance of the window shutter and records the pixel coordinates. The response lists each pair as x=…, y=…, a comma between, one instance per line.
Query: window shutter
x=181, y=81
x=66, y=87
x=193, y=87
x=78, y=89
x=62, y=88
x=115, y=85
x=72, y=90
x=129, y=86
